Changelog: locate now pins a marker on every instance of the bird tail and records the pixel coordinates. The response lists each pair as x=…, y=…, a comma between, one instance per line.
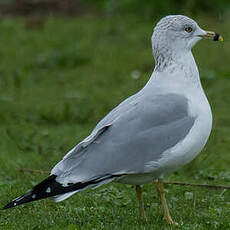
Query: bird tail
x=51, y=188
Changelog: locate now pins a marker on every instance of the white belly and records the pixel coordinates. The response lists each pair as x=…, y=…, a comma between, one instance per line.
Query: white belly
x=186, y=150
x=183, y=152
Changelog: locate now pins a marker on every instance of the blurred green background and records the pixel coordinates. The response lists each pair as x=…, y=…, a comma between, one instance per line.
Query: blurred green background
x=63, y=66
x=145, y=9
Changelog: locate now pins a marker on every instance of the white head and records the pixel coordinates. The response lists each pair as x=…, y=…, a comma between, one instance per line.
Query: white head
x=175, y=35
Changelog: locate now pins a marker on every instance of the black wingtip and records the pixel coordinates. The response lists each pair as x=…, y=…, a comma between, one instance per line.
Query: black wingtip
x=50, y=188
x=27, y=197
x=10, y=205
x=37, y=193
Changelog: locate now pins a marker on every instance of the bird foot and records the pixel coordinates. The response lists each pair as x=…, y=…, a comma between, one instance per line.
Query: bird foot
x=171, y=221
x=143, y=217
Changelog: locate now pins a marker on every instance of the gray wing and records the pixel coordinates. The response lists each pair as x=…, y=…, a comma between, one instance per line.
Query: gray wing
x=146, y=127
x=102, y=125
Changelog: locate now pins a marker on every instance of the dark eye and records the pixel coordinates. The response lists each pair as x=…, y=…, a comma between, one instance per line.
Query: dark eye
x=188, y=29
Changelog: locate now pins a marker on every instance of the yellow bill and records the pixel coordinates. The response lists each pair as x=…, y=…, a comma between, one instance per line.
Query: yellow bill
x=213, y=36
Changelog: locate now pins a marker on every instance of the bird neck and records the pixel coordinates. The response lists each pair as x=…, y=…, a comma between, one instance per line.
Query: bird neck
x=182, y=61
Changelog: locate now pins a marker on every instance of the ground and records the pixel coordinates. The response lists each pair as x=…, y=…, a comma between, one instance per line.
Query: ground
x=58, y=81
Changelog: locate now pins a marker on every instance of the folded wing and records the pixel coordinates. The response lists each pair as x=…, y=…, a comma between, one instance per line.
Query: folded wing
x=146, y=127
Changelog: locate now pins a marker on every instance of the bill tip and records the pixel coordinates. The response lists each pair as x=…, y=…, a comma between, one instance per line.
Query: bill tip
x=218, y=37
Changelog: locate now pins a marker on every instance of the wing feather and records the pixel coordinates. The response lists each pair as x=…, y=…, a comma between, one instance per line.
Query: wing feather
x=135, y=133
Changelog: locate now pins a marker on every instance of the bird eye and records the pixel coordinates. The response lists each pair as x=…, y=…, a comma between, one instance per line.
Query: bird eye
x=188, y=29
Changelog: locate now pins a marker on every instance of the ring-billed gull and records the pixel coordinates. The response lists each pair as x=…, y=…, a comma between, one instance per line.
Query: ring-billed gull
x=152, y=133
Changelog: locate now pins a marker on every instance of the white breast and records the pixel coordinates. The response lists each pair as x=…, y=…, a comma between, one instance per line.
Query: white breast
x=180, y=79
x=186, y=150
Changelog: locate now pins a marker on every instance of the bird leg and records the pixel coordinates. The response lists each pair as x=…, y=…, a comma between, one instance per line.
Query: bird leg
x=161, y=192
x=140, y=201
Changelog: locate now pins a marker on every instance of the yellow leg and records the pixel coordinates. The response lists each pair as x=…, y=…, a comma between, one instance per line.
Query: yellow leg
x=160, y=189
x=140, y=201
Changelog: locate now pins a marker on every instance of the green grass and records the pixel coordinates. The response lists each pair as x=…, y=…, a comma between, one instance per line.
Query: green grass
x=58, y=82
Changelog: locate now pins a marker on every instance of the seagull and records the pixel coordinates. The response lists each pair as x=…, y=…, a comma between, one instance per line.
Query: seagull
x=150, y=134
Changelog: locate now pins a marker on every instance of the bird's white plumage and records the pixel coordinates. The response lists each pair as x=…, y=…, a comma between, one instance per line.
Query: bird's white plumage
x=189, y=85
x=152, y=133
x=175, y=83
